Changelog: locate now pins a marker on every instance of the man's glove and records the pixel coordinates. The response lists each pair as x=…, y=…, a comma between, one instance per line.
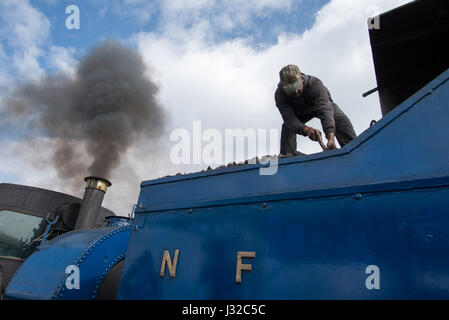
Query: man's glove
x=312, y=133
x=331, y=141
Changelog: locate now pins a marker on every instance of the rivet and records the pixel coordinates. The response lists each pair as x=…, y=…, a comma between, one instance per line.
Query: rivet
x=358, y=196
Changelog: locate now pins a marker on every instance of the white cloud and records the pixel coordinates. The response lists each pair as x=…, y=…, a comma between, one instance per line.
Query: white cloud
x=62, y=59
x=139, y=9
x=24, y=29
x=207, y=18
x=30, y=161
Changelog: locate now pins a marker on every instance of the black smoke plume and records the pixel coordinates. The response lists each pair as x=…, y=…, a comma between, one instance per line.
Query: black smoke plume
x=104, y=107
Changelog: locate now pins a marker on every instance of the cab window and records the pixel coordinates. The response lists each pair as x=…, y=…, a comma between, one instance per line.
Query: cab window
x=17, y=232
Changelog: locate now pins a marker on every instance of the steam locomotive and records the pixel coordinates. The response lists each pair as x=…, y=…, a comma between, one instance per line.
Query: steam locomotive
x=376, y=228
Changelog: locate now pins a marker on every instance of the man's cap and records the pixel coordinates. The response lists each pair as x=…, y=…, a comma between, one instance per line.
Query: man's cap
x=291, y=79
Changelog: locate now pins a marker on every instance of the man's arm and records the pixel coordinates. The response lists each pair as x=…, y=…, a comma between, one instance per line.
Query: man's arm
x=288, y=115
x=291, y=119
x=318, y=95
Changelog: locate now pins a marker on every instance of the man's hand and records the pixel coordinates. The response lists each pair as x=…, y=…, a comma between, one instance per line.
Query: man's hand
x=312, y=133
x=331, y=141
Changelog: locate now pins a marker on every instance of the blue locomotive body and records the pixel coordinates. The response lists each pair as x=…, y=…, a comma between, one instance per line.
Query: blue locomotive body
x=316, y=232
x=367, y=221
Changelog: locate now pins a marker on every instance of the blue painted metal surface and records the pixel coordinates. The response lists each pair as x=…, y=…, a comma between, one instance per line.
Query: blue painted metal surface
x=94, y=252
x=315, y=226
x=116, y=221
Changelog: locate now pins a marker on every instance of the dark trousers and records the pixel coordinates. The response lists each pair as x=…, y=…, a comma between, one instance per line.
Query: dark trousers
x=344, y=132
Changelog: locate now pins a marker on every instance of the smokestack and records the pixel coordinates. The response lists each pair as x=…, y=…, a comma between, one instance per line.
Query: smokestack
x=93, y=197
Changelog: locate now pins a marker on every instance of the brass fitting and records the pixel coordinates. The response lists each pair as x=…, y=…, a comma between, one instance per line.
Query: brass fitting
x=97, y=183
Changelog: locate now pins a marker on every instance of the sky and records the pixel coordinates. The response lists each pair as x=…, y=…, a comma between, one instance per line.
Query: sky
x=213, y=61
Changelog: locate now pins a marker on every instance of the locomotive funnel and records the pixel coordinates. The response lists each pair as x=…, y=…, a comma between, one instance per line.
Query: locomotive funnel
x=93, y=197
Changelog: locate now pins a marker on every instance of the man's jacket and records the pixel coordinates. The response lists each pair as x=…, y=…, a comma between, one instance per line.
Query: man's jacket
x=315, y=101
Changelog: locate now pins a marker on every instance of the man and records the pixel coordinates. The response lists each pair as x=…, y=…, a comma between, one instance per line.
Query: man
x=300, y=98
